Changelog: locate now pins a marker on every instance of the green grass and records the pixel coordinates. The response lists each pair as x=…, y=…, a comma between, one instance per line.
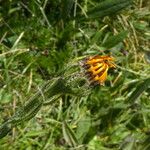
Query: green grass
x=46, y=101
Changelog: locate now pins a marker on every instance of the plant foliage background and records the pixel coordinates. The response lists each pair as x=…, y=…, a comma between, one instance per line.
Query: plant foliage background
x=45, y=99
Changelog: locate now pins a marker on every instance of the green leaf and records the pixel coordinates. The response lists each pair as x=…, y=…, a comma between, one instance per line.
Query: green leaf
x=5, y=97
x=97, y=37
x=139, y=90
x=107, y=7
x=114, y=40
x=83, y=128
x=67, y=5
x=69, y=135
x=35, y=133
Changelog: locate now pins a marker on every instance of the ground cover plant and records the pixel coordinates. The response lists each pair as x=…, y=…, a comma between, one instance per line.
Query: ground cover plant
x=46, y=99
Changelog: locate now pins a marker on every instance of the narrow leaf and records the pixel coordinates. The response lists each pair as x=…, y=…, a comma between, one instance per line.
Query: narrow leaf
x=114, y=40
x=83, y=128
x=107, y=7
x=69, y=135
x=139, y=90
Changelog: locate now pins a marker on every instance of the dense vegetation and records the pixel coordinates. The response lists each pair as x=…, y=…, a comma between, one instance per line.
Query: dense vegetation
x=46, y=101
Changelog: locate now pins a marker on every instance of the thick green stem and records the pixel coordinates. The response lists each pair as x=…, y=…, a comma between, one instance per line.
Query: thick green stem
x=34, y=104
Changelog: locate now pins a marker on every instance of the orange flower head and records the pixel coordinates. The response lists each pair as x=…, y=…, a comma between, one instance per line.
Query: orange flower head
x=97, y=68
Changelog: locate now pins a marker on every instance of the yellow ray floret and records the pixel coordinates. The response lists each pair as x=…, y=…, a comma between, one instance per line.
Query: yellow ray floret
x=98, y=67
x=101, y=79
